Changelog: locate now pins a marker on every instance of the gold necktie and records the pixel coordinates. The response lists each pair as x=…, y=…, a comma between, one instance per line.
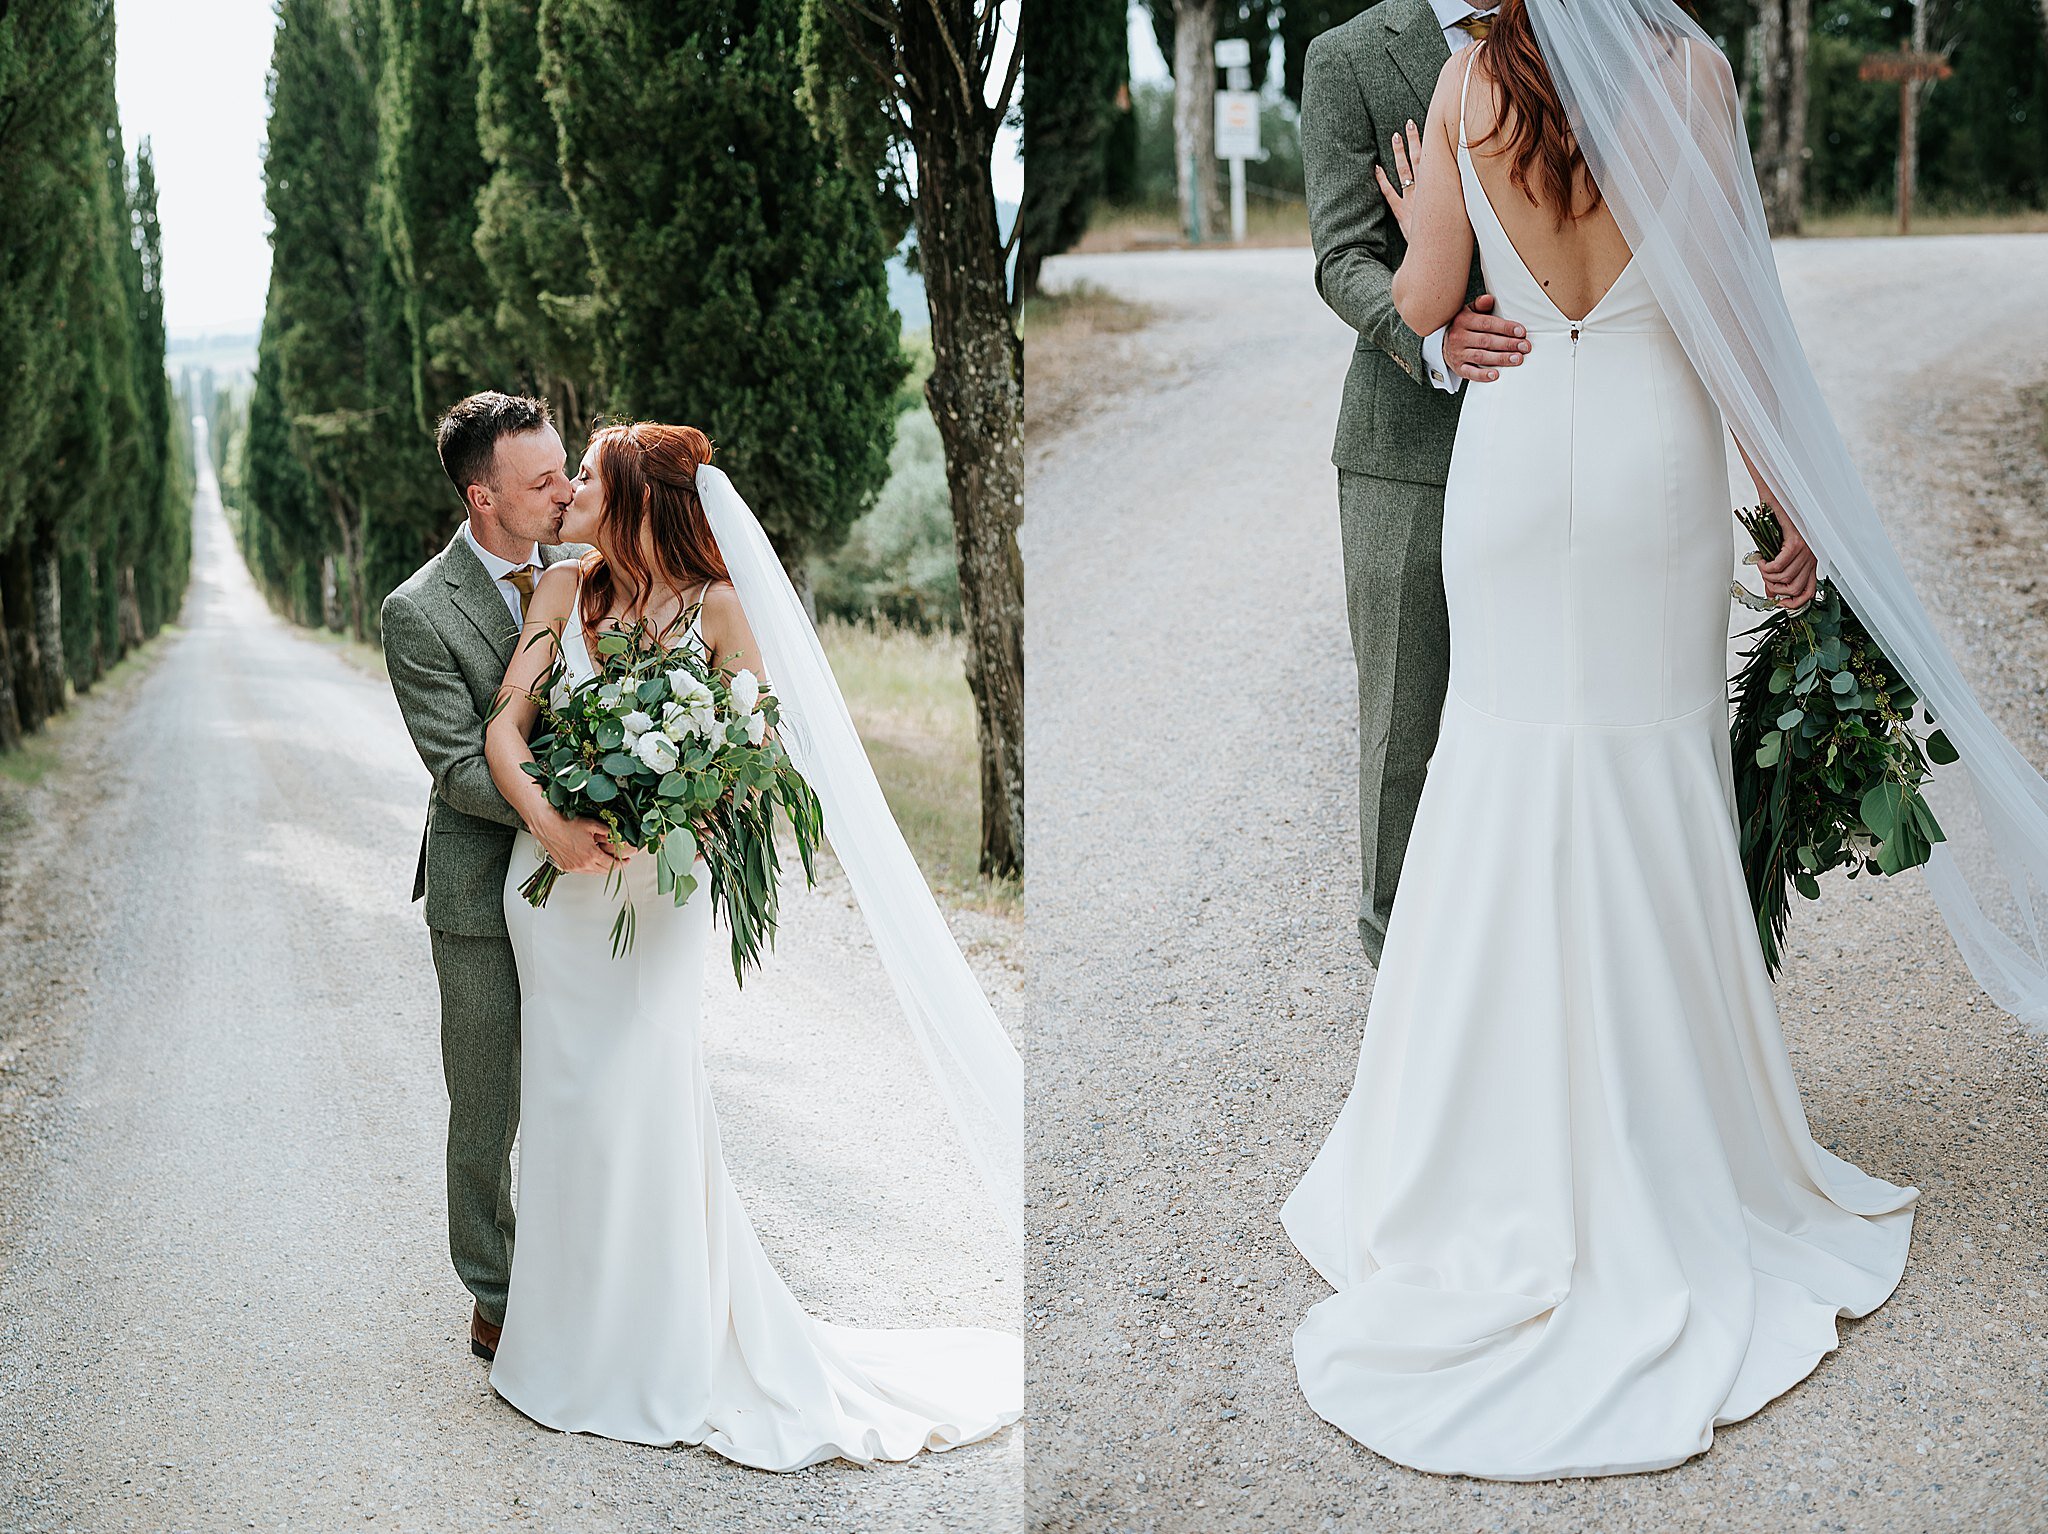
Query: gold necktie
x=1476, y=23
x=521, y=581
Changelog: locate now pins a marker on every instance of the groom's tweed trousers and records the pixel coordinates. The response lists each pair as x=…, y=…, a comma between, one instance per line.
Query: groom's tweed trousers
x=448, y=637
x=1361, y=83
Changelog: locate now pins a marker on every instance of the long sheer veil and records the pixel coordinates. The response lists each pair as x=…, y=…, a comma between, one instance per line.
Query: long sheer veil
x=972, y=1061
x=1632, y=75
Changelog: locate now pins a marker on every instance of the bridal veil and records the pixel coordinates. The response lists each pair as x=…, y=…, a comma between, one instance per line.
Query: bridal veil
x=1686, y=200
x=971, y=1059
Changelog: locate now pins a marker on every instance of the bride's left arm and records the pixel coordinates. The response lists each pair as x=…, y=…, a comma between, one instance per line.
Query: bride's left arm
x=1429, y=284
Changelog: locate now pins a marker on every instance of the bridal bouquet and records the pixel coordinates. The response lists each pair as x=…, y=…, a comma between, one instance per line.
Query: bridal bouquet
x=1828, y=768
x=679, y=757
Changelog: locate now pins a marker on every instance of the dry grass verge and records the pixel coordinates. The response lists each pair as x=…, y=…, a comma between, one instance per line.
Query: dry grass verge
x=1076, y=341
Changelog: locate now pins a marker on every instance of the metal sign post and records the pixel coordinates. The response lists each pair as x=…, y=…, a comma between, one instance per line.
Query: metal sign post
x=1237, y=122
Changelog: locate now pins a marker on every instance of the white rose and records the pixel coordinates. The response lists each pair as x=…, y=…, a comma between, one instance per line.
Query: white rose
x=656, y=750
x=757, y=729
x=637, y=724
x=688, y=688
x=714, y=738
x=746, y=691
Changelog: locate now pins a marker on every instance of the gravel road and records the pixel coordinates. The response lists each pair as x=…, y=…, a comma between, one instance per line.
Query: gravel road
x=1198, y=990
x=225, y=1299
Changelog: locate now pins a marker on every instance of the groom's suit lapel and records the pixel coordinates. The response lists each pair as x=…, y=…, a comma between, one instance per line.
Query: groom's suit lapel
x=476, y=594
x=1416, y=44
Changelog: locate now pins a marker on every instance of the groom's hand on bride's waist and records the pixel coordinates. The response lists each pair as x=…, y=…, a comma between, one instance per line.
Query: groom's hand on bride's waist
x=1479, y=343
x=579, y=846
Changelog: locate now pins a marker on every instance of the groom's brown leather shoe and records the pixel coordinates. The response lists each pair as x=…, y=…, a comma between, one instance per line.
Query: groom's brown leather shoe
x=483, y=1335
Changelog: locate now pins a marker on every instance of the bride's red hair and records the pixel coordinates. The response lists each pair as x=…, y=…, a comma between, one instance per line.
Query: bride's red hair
x=1540, y=145
x=648, y=473
x=1540, y=142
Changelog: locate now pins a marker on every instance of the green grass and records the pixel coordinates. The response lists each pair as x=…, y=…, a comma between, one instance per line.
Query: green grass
x=1883, y=220
x=908, y=696
x=1157, y=226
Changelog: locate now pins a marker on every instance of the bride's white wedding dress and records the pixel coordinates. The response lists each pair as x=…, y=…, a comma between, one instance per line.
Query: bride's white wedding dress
x=641, y=1305
x=1572, y=1210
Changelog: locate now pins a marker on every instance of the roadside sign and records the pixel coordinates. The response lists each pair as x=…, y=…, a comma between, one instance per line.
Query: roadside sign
x=1237, y=125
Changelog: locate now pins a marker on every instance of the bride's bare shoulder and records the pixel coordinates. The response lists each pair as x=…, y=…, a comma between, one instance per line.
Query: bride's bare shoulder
x=555, y=592
x=721, y=606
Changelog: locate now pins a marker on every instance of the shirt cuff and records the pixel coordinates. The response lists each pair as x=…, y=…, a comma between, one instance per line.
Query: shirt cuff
x=1433, y=358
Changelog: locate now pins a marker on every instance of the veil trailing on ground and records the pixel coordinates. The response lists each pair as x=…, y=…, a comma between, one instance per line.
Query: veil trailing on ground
x=971, y=1059
x=1652, y=102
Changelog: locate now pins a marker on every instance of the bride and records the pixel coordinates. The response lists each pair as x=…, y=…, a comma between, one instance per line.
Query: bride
x=641, y=1305
x=1572, y=1209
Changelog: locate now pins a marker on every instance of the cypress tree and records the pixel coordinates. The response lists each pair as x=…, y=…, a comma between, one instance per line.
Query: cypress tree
x=1073, y=62
x=429, y=171
x=54, y=55
x=738, y=271
x=326, y=332
x=527, y=234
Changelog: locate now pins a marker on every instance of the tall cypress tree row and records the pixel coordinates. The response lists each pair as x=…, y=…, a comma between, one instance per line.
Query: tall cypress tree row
x=338, y=345
x=93, y=478
x=527, y=234
x=285, y=535
x=738, y=269
x=157, y=564
x=429, y=171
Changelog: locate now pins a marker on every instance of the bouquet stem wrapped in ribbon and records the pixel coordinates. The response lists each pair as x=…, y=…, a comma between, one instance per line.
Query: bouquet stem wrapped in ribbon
x=679, y=757
x=1828, y=769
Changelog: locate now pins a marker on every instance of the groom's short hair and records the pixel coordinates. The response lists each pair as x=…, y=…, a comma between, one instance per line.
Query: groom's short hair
x=468, y=435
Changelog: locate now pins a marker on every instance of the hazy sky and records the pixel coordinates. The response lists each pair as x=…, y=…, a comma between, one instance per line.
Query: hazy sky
x=1147, y=63
x=191, y=81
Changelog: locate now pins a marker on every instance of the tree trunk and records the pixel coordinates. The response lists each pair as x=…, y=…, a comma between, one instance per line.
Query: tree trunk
x=1194, y=114
x=46, y=575
x=976, y=395
x=330, y=595
x=131, y=610
x=354, y=556
x=17, y=590
x=10, y=716
x=1783, y=26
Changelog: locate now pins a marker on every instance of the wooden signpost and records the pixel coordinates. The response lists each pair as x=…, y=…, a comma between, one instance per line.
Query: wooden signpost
x=1908, y=68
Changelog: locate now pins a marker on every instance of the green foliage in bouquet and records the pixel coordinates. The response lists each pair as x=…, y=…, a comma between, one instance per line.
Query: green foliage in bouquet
x=1828, y=769
x=678, y=757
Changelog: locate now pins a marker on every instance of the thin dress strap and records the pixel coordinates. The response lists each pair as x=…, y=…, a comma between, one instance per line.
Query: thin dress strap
x=697, y=617
x=1465, y=85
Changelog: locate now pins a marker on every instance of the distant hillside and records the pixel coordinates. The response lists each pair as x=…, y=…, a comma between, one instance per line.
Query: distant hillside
x=906, y=288
x=230, y=356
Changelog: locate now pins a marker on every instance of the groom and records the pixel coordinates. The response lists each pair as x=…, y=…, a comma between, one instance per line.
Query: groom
x=449, y=633
x=1364, y=82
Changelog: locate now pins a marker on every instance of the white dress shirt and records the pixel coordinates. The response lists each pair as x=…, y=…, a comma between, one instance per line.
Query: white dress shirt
x=500, y=568
x=1448, y=14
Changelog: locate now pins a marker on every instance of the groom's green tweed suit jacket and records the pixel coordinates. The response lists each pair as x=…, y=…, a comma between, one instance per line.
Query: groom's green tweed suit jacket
x=1361, y=83
x=448, y=637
